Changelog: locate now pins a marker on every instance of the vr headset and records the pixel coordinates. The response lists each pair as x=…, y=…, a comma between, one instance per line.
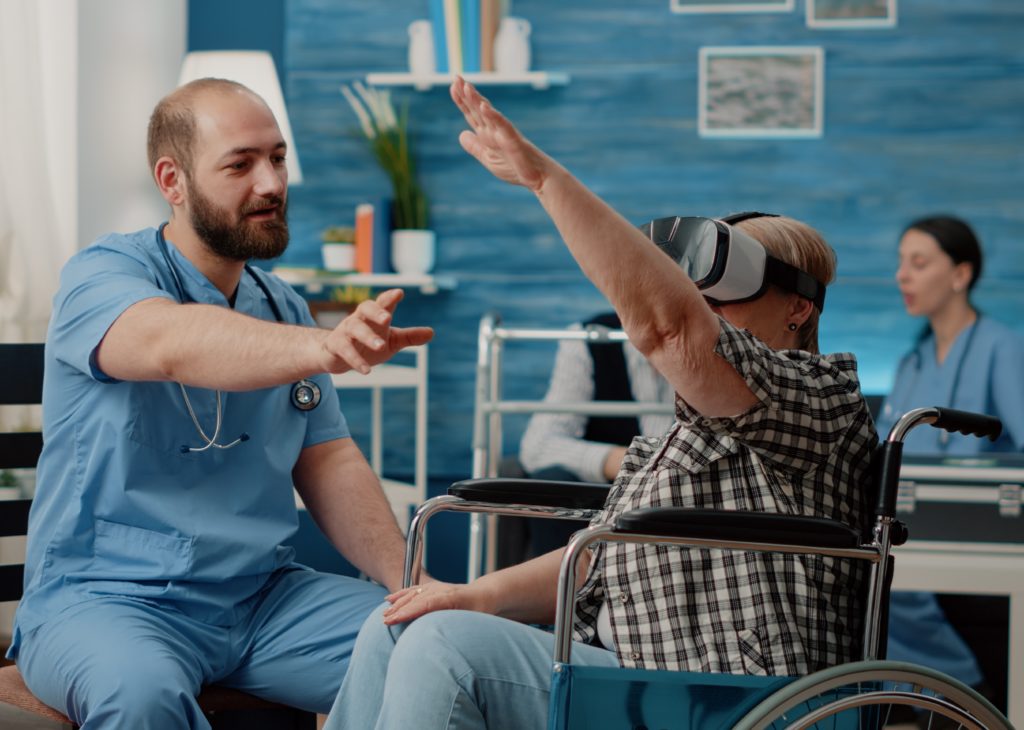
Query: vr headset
x=726, y=264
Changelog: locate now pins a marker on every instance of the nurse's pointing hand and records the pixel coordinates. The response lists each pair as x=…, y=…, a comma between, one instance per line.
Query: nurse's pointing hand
x=366, y=338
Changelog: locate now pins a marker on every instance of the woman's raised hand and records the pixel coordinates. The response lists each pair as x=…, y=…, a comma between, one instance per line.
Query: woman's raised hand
x=496, y=143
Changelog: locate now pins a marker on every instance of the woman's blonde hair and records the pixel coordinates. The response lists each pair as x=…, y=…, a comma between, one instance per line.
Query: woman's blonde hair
x=798, y=244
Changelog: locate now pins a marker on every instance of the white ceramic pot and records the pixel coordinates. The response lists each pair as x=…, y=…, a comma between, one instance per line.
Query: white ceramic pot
x=339, y=256
x=412, y=251
x=512, y=46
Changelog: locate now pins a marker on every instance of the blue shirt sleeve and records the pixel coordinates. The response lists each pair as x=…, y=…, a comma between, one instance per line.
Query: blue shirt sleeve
x=1007, y=388
x=97, y=286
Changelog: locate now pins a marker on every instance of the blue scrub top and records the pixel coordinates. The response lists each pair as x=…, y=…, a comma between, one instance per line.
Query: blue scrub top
x=119, y=509
x=983, y=372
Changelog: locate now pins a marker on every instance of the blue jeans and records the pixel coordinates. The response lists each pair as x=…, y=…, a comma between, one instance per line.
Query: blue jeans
x=120, y=662
x=451, y=669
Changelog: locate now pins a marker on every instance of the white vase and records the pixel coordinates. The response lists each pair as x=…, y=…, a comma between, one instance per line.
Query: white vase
x=421, y=48
x=512, y=46
x=412, y=250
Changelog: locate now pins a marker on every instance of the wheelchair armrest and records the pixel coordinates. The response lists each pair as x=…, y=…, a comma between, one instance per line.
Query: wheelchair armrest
x=568, y=495
x=727, y=525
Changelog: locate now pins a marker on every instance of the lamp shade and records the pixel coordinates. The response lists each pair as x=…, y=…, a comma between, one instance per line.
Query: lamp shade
x=254, y=69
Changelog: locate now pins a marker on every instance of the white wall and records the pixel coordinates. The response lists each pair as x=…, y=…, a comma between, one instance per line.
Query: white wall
x=129, y=55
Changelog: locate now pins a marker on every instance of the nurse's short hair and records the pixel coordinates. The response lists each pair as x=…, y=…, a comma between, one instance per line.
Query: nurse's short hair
x=172, y=125
x=800, y=245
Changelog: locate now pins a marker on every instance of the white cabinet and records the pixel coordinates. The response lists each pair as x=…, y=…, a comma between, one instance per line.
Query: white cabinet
x=401, y=495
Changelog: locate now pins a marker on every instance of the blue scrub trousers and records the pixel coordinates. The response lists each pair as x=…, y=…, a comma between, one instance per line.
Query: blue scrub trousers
x=117, y=661
x=920, y=633
x=451, y=669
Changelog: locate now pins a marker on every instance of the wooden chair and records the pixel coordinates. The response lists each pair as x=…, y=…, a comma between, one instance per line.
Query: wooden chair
x=21, y=382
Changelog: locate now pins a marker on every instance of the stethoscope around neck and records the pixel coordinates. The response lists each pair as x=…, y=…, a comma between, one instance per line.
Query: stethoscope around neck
x=305, y=395
x=957, y=373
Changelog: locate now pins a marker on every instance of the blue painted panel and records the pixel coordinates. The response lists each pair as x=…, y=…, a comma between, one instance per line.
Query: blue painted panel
x=227, y=25
x=922, y=118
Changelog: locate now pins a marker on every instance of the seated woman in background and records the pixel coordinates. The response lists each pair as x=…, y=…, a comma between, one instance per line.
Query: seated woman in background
x=962, y=360
x=575, y=447
x=762, y=422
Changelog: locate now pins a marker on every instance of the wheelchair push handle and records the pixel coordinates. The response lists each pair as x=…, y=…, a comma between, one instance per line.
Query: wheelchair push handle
x=948, y=419
x=971, y=424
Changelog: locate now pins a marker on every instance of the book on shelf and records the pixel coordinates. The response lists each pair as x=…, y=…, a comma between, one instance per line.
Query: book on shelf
x=464, y=32
x=470, y=26
x=373, y=237
x=437, y=25
x=453, y=34
x=380, y=259
x=364, y=238
x=490, y=17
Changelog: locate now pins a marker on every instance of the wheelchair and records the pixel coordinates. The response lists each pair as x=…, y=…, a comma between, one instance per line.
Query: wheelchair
x=854, y=696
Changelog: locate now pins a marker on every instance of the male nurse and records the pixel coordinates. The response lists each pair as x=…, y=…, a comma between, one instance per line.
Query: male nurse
x=186, y=393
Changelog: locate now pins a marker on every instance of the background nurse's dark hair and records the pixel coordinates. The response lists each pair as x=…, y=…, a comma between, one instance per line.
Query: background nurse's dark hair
x=954, y=237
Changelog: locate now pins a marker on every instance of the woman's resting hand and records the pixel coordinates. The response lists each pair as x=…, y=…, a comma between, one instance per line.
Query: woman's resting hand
x=410, y=603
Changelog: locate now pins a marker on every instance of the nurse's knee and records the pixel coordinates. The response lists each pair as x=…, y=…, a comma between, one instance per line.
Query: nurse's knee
x=146, y=695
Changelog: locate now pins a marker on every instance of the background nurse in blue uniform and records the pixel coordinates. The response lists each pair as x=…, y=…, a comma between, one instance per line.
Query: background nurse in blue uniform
x=963, y=360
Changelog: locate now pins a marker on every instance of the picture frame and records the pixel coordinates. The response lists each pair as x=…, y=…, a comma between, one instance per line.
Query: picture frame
x=842, y=14
x=731, y=6
x=761, y=92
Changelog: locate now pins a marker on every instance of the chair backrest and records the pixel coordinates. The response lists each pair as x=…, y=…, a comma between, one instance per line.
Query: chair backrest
x=21, y=383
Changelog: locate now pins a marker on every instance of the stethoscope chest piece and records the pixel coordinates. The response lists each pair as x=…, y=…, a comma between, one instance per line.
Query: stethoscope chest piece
x=305, y=395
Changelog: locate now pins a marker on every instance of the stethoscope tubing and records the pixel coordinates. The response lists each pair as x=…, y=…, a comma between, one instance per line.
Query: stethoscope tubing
x=305, y=394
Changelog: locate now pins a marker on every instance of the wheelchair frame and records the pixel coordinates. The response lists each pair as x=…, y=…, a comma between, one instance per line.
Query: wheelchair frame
x=690, y=528
x=489, y=407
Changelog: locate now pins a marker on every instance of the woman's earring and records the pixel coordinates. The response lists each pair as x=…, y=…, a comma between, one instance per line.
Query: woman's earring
x=792, y=326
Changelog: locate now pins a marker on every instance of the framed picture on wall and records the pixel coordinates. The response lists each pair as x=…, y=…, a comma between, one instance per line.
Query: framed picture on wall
x=851, y=13
x=731, y=6
x=761, y=91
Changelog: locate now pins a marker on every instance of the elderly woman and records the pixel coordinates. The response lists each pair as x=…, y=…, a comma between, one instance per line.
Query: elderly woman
x=763, y=422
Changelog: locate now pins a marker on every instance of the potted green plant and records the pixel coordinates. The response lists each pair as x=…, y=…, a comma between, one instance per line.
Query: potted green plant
x=338, y=248
x=412, y=241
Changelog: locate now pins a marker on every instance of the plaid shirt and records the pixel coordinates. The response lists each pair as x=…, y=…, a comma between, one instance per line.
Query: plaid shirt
x=804, y=449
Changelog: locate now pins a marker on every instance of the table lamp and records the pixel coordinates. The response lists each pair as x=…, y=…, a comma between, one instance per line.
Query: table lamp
x=254, y=69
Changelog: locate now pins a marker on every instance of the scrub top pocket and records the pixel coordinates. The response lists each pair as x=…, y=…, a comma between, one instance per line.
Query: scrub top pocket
x=124, y=552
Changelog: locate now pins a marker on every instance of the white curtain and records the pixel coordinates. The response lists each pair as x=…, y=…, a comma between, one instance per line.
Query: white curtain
x=36, y=228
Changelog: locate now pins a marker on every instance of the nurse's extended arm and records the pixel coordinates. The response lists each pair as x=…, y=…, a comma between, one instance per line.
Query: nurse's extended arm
x=346, y=501
x=664, y=314
x=214, y=347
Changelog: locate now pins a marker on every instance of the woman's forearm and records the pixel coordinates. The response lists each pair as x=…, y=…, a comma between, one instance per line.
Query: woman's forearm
x=526, y=592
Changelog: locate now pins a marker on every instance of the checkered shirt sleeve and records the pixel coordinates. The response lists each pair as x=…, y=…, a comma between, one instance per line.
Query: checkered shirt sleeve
x=803, y=449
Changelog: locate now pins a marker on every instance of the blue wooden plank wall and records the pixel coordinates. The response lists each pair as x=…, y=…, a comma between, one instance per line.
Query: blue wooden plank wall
x=925, y=117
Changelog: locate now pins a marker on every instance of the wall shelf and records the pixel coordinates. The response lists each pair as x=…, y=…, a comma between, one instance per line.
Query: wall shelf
x=314, y=280
x=425, y=82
